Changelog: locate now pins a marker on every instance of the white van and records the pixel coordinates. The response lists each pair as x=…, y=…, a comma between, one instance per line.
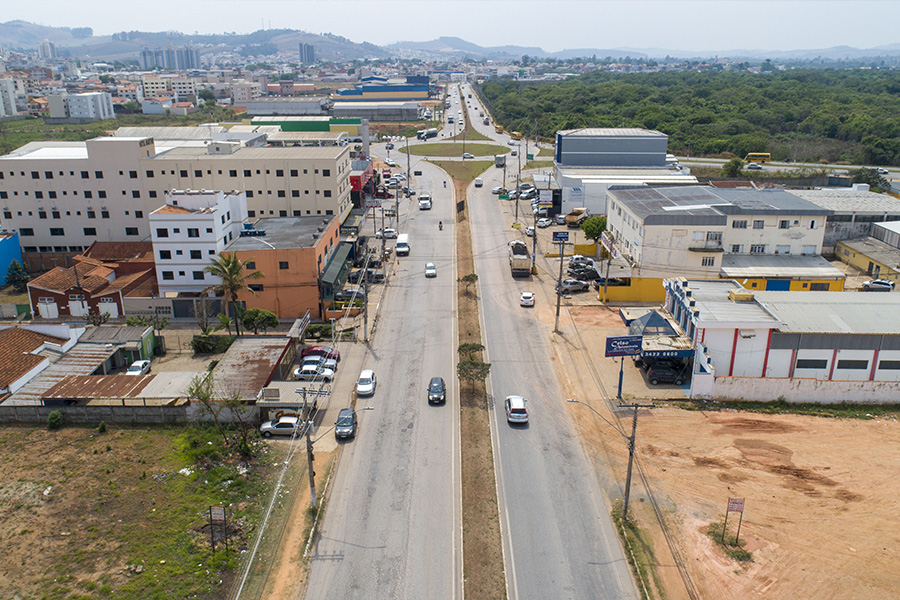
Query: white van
x=478, y=182
x=402, y=248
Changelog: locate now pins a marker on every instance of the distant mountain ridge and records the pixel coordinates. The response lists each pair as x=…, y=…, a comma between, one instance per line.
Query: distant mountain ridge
x=127, y=45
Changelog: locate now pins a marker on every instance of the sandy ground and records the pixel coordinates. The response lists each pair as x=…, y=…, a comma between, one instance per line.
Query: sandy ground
x=820, y=492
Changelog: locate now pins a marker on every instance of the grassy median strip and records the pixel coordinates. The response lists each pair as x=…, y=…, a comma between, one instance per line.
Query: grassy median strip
x=455, y=149
x=462, y=172
x=482, y=545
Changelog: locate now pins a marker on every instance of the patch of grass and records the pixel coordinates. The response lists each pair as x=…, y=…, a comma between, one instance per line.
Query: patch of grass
x=639, y=553
x=844, y=410
x=472, y=135
x=548, y=152
x=464, y=170
x=732, y=547
x=401, y=129
x=538, y=164
x=455, y=149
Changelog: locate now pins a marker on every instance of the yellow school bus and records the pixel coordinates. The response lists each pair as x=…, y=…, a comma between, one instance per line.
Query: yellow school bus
x=515, y=135
x=498, y=128
x=758, y=157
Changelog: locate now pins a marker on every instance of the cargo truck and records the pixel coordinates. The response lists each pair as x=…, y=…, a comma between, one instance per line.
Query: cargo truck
x=519, y=259
x=425, y=134
x=578, y=216
x=500, y=161
x=425, y=201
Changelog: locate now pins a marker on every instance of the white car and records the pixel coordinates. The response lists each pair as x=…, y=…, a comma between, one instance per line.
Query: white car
x=544, y=223
x=365, y=385
x=467, y=155
x=313, y=372
x=515, y=409
x=754, y=167
x=497, y=190
x=387, y=234
x=526, y=299
x=529, y=231
x=881, y=171
x=511, y=143
x=320, y=361
x=430, y=270
x=139, y=367
x=390, y=162
x=282, y=426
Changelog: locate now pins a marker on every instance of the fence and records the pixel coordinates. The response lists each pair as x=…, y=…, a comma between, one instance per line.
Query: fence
x=182, y=414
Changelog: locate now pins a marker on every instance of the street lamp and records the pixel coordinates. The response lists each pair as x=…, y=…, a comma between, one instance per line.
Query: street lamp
x=630, y=441
x=310, y=457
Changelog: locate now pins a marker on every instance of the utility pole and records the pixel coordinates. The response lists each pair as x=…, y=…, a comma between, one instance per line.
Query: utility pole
x=559, y=286
x=365, y=284
x=310, y=458
x=630, y=463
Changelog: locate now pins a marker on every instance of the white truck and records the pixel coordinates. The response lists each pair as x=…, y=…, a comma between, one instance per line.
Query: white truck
x=519, y=259
x=425, y=201
x=402, y=248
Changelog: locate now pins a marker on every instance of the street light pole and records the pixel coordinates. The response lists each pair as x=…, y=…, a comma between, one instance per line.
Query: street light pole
x=559, y=286
x=630, y=440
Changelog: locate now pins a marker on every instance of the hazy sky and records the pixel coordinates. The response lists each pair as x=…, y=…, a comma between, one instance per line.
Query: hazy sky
x=551, y=24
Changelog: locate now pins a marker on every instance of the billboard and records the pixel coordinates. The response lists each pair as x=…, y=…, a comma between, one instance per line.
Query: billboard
x=623, y=345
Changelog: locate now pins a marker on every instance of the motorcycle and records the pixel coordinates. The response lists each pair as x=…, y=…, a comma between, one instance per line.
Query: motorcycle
x=445, y=184
x=440, y=225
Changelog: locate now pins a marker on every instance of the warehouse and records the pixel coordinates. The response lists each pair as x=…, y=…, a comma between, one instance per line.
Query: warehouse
x=379, y=111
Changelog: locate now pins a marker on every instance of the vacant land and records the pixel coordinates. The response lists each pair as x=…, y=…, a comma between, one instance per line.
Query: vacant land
x=122, y=514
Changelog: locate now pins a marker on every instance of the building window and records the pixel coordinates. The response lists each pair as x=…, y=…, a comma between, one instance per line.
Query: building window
x=131, y=231
x=784, y=224
x=282, y=213
x=811, y=363
x=150, y=174
x=782, y=249
x=7, y=214
x=713, y=236
x=281, y=194
x=35, y=175
x=193, y=232
x=255, y=287
x=853, y=364
x=133, y=174
x=51, y=195
x=812, y=224
x=249, y=194
x=85, y=175
x=162, y=233
x=104, y=214
x=326, y=172
x=152, y=193
x=889, y=365
x=54, y=214
x=250, y=266
x=757, y=249
x=279, y=173
x=198, y=173
x=39, y=195
x=283, y=265
x=165, y=255
x=209, y=229
x=709, y=261
x=293, y=172
x=327, y=194
x=818, y=287
x=98, y=174
x=759, y=224
x=198, y=275
x=88, y=195
x=196, y=255
x=90, y=231
x=135, y=193
x=735, y=248
x=297, y=213
x=247, y=173
x=168, y=275
x=251, y=214
x=183, y=172
x=26, y=232
x=91, y=214
x=739, y=224
x=56, y=231
x=101, y=194
x=232, y=173
x=138, y=214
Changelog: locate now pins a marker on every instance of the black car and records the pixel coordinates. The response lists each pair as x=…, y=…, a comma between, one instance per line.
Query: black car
x=389, y=146
x=657, y=374
x=600, y=281
x=348, y=295
x=346, y=425
x=437, y=391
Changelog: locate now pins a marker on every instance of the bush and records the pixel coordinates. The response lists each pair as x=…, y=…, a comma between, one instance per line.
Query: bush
x=211, y=344
x=55, y=420
x=101, y=428
x=319, y=330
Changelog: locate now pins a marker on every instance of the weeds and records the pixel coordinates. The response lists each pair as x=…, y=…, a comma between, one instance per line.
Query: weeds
x=844, y=410
x=732, y=546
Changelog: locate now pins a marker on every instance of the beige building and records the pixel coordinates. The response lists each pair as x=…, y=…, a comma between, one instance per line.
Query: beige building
x=155, y=85
x=63, y=196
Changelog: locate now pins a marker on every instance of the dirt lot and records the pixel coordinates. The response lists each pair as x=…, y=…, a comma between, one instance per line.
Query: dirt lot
x=820, y=492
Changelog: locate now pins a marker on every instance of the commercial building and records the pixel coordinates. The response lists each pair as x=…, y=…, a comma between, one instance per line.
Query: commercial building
x=878, y=259
x=811, y=347
x=188, y=231
x=378, y=89
x=590, y=161
x=378, y=111
x=63, y=196
x=303, y=105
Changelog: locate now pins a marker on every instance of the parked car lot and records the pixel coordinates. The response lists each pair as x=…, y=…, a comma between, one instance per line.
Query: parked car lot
x=321, y=351
x=319, y=361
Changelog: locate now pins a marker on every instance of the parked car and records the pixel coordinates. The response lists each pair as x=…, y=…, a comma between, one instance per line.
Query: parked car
x=387, y=234
x=657, y=374
x=578, y=259
x=513, y=194
x=876, y=285
x=525, y=187
x=390, y=162
x=321, y=351
x=600, y=281
x=526, y=299
x=560, y=219
x=515, y=409
x=544, y=223
x=437, y=391
x=139, y=367
x=346, y=425
x=430, y=270
x=498, y=190
x=754, y=167
x=467, y=155
x=365, y=385
x=389, y=146
x=529, y=231
x=281, y=426
x=348, y=295
x=572, y=285
x=319, y=361
x=313, y=372
x=529, y=194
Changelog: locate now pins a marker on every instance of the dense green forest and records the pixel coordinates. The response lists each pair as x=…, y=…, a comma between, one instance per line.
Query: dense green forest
x=800, y=115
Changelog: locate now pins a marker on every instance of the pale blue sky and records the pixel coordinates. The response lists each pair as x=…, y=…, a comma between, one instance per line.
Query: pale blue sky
x=710, y=25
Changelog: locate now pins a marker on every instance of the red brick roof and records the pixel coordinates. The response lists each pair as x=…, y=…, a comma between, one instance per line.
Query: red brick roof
x=61, y=280
x=120, y=251
x=16, y=346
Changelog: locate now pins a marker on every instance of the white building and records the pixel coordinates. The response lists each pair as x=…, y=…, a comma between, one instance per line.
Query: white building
x=803, y=347
x=90, y=105
x=687, y=230
x=191, y=228
x=7, y=98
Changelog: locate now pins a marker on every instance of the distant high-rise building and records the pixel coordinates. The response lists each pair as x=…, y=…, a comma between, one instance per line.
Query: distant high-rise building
x=7, y=98
x=171, y=58
x=307, y=53
x=46, y=50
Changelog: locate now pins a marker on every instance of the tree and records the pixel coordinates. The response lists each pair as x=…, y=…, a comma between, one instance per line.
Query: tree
x=257, y=319
x=732, y=168
x=593, y=228
x=159, y=323
x=220, y=405
x=473, y=371
x=869, y=176
x=469, y=348
x=230, y=270
x=207, y=95
x=96, y=318
x=17, y=276
x=469, y=279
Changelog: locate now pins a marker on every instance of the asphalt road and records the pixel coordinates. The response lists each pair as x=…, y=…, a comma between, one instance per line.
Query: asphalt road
x=392, y=526
x=559, y=540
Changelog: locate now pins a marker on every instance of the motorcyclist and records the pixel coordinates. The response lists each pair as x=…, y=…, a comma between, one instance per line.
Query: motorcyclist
x=445, y=183
x=441, y=225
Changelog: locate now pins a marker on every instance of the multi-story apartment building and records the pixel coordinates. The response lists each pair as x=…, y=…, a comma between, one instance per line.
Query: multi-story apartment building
x=687, y=230
x=7, y=98
x=91, y=105
x=62, y=196
x=243, y=92
x=156, y=85
x=191, y=228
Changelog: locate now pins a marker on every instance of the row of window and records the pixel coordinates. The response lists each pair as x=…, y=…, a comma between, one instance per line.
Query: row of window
x=181, y=172
x=760, y=224
x=195, y=254
x=59, y=231
x=49, y=174
x=284, y=213
x=779, y=249
x=88, y=194
x=852, y=364
x=33, y=249
x=192, y=232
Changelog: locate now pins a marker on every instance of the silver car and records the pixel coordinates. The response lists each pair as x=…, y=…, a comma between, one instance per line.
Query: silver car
x=282, y=426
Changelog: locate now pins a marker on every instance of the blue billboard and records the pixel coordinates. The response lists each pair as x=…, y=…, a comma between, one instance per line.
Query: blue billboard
x=623, y=345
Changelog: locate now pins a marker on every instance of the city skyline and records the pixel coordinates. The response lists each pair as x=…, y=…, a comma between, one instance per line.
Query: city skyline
x=688, y=27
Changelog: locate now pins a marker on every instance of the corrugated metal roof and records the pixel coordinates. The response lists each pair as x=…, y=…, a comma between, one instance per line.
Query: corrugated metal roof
x=82, y=359
x=78, y=387
x=249, y=365
x=612, y=132
x=738, y=266
x=834, y=312
x=170, y=133
x=711, y=296
x=844, y=201
x=875, y=249
x=263, y=153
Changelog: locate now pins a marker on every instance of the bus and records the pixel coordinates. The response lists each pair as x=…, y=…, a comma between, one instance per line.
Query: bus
x=758, y=157
x=515, y=135
x=498, y=128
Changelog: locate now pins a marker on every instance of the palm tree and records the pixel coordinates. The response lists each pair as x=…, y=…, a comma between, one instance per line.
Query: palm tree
x=230, y=269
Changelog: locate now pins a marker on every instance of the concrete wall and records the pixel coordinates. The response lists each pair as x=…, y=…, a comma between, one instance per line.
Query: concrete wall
x=798, y=390
x=642, y=289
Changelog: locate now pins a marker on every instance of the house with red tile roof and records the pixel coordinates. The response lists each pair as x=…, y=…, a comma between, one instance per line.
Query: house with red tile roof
x=25, y=351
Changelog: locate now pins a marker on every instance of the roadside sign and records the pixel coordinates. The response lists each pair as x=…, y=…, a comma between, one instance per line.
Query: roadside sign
x=624, y=345
x=607, y=242
x=529, y=156
x=217, y=514
x=373, y=202
x=560, y=236
x=735, y=505
x=504, y=196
